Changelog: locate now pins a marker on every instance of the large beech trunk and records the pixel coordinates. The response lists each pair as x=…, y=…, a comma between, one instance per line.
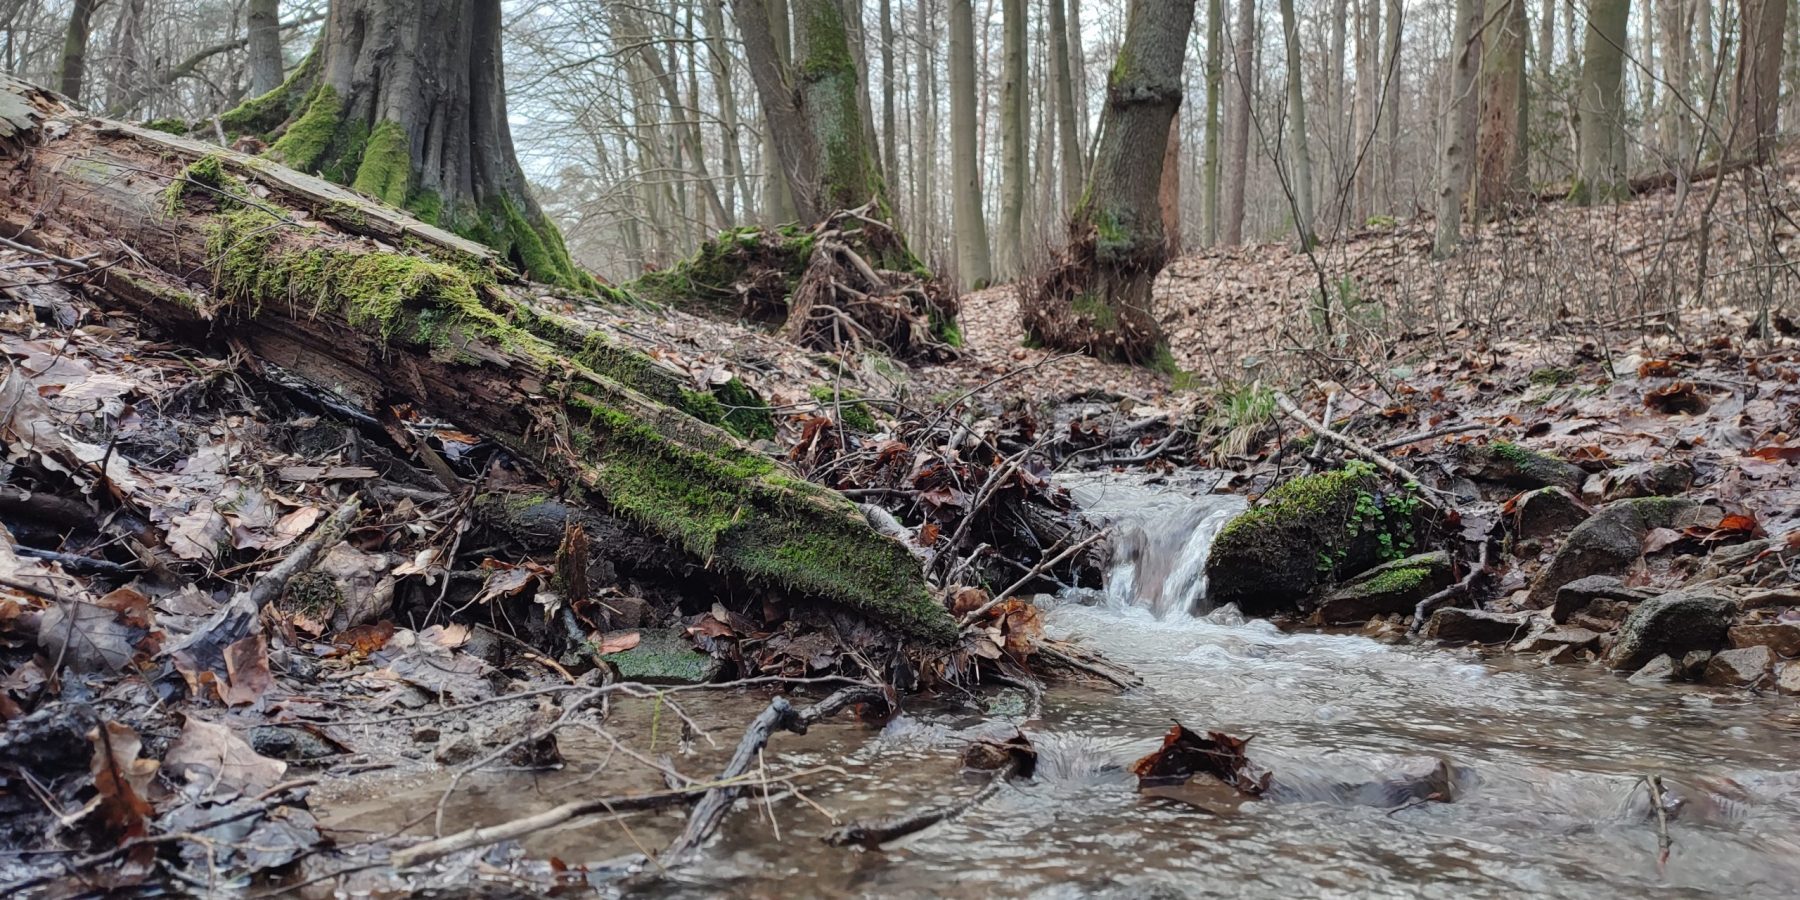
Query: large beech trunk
x=308, y=279
x=406, y=102
x=1097, y=297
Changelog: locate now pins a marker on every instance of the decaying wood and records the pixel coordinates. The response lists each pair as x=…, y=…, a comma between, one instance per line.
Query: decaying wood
x=381, y=311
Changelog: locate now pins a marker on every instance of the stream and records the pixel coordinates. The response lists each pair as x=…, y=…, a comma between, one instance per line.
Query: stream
x=1545, y=769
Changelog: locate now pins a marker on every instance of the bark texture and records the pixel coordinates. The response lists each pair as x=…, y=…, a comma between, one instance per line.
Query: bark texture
x=1500, y=164
x=1098, y=296
x=1014, y=171
x=75, y=48
x=264, y=19
x=1601, y=98
x=813, y=108
x=1063, y=84
x=1756, y=85
x=974, y=268
x=1459, y=127
x=1299, y=154
x=1215, y=80
x=292, y=276
x=405, y=101
x=1237, y=152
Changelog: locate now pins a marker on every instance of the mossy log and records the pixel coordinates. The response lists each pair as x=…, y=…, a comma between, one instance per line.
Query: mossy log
x=380, y=309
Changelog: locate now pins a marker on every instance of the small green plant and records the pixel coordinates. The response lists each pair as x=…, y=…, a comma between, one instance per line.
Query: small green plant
x=1241, y=411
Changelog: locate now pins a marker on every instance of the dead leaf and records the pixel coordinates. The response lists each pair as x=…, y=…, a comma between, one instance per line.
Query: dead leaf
x=120, y=809
x=102, y=635
x=618, y=642
x=199, y=533
x=1774, y=454
x=1660, y=539
x=1185, y=754
x=1680, y=397
x=209, y=757
x=247, y=671
x=364, y=639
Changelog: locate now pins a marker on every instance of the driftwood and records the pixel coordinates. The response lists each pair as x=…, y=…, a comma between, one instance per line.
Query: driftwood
x=363, y=302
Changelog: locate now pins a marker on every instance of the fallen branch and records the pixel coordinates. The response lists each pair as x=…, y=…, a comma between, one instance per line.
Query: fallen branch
x=1104, y=669
x=710, y=811
x=1426, y=492
x=550, y=818
x=1653, y=783
x=1416, y=437
x=1036, y=571
x=870, y=835
x=1462, y=588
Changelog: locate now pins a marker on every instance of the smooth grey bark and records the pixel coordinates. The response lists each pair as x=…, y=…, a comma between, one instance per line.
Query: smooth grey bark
x=1298, y=153
x=73, y=70
x=1215, y=70
x=1014, y=174
x=265, y=64
x=926, y=144
x=1062, y=83
x=1756, y=85
x=1390, y=104
x=737, y=183
x=973, y=266
x=1601, y=94
x=1237, y=153
x=890, y=148
x=778, y=201
x=1459, y=127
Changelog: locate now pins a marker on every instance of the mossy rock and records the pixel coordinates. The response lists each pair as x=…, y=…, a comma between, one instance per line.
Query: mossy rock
x=1513, y=466
x=664, y=657
x=1393, y=587
x=1309, y=532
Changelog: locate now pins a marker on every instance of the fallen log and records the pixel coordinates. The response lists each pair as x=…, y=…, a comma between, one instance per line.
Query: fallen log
x=381, y=311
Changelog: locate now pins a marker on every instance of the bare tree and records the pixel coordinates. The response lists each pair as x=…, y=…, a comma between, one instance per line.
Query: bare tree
x=1014, y=171
x=75, y=48
x=1459, y=126
x=1063, y=86
x=973, y=267
x=1237, y=152
x=266, y=65
x=1756, y=86
x=1601, y=94
x=1215, y=72
x=1098, y=297
x=1500, y=165
x=1298, y=153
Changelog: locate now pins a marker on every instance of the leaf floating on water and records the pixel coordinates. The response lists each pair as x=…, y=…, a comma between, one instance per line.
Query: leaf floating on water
x=1185, y=754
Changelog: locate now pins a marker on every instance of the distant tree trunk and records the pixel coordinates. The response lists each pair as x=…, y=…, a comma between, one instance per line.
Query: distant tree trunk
x=813, y=108
x=779, y=200
x=925, y=153
x=1677, y=29
x=1215, y=72
x=1756, y=86
x=1067, y=129
x=1546, y=38
x=973, y=267
x=1099, y=296
x=1501, y=178
x=1390, y=105
x=1299, y=156
x=75, y=46
x=1013, y=174
x=1336, y=127
x=1601, y=94
x=631, y=32
x=129, y=75
x=890, y=147
x=1237, y=153
x=426, y=130
x=266, y=67
x=1078, y=66
x=1368, y=86
x=1459, y=126
x=737, y=184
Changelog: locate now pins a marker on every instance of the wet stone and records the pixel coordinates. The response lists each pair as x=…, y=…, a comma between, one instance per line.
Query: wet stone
x=1474, y=625
x=1649, y=479
x=1581, y=593
x=1673, y=623
x=1657, y=671
x=1548, y=511
x=1611, y=541
x=664, y=656
x=1570, y=636
x=1739, y=668
x=1787, y=678
x=1781, y=637
x=1388, y=589
x=1693, y=664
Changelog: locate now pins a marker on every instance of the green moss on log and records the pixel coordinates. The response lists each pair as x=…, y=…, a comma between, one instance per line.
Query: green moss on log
x=206, y=177
x=650, y=462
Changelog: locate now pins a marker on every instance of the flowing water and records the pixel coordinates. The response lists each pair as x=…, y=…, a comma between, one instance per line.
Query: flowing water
x=1545, y=771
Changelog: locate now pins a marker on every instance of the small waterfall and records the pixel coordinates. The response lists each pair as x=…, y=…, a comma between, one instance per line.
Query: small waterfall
x=1161, y=536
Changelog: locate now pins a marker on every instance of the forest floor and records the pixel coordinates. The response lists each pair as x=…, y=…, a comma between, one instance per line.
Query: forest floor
x=417, y=639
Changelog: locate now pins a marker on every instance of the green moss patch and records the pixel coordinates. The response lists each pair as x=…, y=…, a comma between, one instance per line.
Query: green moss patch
x=850, y=408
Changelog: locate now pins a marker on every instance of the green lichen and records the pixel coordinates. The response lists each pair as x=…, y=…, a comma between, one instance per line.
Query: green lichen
x=850, y=408
x=386, y=167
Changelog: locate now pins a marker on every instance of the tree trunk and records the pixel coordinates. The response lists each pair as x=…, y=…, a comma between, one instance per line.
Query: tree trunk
x=75, y=46
x=1368, y=100
x=1756, y=85
x=1459, y=126
x=1168, y=194
x=266, y=67
x=1299, y=155
x=813, y=108
x=1099, y=296
x=1013, y=139
x=1067, y=129
x=629, y=32
x=424, y=130
x=1390, y=103
x=1501, y=178
x=1337, y=128
x=1215, y=80
x=737, y=184
x=1601, y=98
x=1237, y=153
x=1677, y=27
x=926, y=143
x=1078, y=69
x=435, y=328
x=890, y=148
x=973, y=267
x=779, y=200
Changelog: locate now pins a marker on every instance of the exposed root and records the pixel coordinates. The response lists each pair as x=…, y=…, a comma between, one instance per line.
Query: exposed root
x=1095, y=305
